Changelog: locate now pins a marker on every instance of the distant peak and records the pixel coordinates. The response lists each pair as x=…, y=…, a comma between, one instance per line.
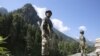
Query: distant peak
x=28, y=8
x=3, y=10
x=28, y=5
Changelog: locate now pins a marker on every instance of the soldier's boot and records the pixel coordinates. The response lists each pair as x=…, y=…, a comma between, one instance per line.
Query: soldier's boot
x=81, y=52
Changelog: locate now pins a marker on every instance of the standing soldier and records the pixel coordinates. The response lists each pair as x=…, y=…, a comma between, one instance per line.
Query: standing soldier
x=46, y=28
x=97, y=46
x=82, y=43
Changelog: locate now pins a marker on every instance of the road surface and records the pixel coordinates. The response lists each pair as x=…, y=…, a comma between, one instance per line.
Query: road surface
x=79, y=54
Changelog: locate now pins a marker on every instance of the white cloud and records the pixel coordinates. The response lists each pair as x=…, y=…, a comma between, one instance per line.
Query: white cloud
x=40, y=11
x=58, y=24
x=0, y=6
x=77, y=37
x=83, y=28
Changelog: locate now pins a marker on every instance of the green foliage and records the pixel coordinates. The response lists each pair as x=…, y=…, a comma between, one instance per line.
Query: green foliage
x=67, y=48
x=90, y=49
x=1, y=40
x=3, y=50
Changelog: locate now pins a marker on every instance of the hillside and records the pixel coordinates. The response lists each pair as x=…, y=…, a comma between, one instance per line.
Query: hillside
x=63, y=36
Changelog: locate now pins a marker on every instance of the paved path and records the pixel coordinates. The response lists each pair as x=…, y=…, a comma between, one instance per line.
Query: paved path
x=79, y=54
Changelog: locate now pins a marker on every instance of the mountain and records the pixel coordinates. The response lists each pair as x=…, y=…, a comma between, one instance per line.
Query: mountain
x=63, y=36
x=90, y=43
x=28, y=13
x=3, y=10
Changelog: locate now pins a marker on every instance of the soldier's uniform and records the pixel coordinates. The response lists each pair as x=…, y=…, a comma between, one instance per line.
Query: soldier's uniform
x=82, y=42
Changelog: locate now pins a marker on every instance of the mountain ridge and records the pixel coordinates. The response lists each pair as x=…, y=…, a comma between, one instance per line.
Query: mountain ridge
x=3, y=10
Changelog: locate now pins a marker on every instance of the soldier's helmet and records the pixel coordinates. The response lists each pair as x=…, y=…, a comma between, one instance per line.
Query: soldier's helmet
x=81, y=32
x=48, y=11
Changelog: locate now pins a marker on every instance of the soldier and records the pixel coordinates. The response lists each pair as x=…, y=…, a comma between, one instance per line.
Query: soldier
x=46, y=28
x=82, y=43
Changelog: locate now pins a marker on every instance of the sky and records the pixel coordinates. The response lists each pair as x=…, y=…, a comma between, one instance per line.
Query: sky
x=69, y=16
